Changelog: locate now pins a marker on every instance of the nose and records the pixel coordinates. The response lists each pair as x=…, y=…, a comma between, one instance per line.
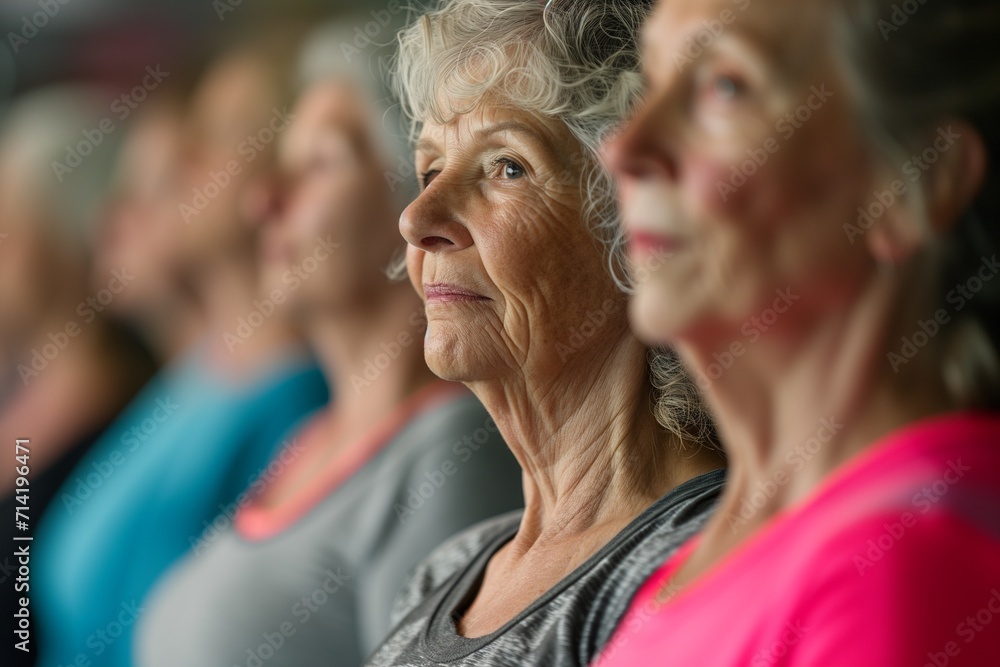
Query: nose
x=646, y=147
x=433, y=221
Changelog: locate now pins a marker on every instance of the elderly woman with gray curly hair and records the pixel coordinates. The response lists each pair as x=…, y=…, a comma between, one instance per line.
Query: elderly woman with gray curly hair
x=516, y=249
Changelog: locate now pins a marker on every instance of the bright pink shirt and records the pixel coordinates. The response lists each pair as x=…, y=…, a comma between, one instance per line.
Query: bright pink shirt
x=894, y=561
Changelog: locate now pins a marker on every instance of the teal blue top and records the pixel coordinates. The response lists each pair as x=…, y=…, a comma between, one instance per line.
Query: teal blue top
x=177, y=459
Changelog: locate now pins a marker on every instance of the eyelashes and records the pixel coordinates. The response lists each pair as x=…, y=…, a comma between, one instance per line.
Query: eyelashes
x=509, y=169
x=728, y=87
x=504, y=168
x=428, y=176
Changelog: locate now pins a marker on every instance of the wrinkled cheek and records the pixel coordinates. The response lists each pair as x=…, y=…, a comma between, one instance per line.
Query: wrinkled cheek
x=760, y=192
x=713, y=189
x=415, y=267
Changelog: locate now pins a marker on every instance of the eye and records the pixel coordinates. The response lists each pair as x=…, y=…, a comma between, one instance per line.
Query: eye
x=428, y=176
x=727, y=87
x=508, y=169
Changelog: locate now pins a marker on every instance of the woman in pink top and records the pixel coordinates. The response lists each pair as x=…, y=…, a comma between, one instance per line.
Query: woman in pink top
x=825, y=176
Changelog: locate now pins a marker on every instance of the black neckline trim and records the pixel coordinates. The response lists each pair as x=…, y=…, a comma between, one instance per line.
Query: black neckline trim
x=466, y=583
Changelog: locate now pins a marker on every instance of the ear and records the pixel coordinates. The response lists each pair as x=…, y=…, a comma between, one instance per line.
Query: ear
x=950, y=172
x=956, y=178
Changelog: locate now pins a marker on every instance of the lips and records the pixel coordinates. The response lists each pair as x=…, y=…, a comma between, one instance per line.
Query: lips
x=643, y=242
x=448, y=293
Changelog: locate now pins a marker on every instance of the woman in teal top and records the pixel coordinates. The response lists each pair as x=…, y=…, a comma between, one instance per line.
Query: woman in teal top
x=180, y=456
x=184, y=453
x=307, y=573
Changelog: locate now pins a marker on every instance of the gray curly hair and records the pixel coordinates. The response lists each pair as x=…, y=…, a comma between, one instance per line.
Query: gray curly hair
x=573, y=60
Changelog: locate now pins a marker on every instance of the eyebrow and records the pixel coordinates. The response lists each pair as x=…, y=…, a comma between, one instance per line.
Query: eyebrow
x=426, y=144
x=510, y=126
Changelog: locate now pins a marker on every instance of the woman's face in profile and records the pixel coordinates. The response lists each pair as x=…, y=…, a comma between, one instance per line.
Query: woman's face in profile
x=334, y=231
x=141, y=224
x=498, y=248
x=745, y=163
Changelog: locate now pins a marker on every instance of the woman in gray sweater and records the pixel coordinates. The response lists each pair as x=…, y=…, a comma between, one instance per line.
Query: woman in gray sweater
x=303, y=568
x=515, y=248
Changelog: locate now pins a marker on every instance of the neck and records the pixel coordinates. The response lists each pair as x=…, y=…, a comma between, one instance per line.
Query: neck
x=593, y=454
x=793, y=407
x=372, y=354
x=226, y=295
x=171, y=326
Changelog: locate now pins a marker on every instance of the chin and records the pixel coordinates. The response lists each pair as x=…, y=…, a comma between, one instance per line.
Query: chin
x=449, y=356
x=444, y=365
x=444, y=371
x=650, y=313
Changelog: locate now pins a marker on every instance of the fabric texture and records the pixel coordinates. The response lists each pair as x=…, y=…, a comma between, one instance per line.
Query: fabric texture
x=177, y=457
x=893, y=561
x=316, y=587
x=570, y=623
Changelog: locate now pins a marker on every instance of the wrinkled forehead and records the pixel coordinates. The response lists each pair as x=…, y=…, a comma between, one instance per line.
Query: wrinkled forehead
x=791, y=35
x=493, y=119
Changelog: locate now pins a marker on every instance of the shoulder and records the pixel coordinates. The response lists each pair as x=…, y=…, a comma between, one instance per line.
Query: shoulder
x=451, y=558
x=651, y=539
x=299, y=379
x=902, y=548
x=660, y=530
x=900, y=587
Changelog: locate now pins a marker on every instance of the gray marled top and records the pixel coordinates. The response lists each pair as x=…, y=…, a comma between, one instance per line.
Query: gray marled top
x=570, y=623
x=320, y=592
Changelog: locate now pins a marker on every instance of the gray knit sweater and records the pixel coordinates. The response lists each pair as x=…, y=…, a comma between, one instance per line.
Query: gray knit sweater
x=569, y=624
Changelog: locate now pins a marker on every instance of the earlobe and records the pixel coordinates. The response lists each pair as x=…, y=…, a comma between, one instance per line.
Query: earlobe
x=895, y=239
x=898, y=233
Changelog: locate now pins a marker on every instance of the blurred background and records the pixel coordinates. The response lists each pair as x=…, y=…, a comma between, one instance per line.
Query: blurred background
x=118, y=118
x=111, y=41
